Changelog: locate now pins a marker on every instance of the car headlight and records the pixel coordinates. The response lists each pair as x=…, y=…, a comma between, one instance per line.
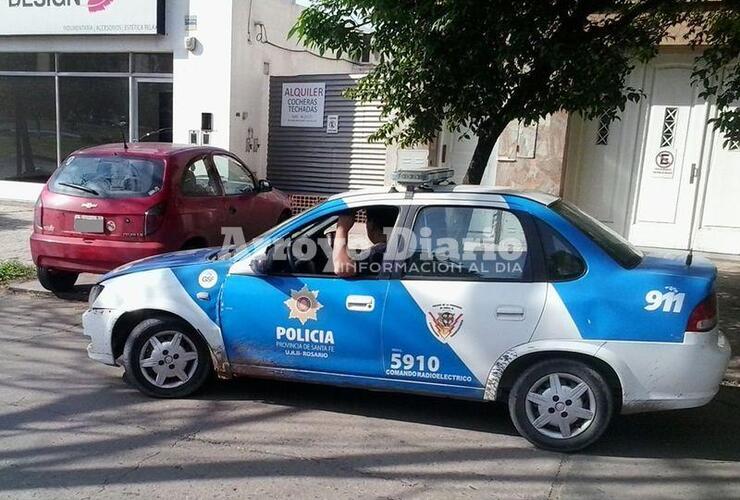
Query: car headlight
x=95, y=291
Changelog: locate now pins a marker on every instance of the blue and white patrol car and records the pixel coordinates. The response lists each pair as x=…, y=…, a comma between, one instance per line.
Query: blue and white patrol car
x=478, y=293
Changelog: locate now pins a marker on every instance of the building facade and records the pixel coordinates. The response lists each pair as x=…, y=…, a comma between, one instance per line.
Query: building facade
x=75, y=73
x=661, y=175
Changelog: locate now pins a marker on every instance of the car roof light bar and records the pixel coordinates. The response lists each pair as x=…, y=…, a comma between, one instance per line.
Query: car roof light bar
x=413, y=178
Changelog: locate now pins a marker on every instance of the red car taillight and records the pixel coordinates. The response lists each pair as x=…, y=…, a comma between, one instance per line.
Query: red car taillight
x=38, y=215
x=704, y=316
x=153, y=218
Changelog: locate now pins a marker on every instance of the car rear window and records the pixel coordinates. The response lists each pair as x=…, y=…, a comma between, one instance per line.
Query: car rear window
x=108, y=177
x=611, y=242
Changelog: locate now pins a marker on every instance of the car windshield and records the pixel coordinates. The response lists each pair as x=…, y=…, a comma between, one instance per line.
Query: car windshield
x=611, y=242
x=108, y=177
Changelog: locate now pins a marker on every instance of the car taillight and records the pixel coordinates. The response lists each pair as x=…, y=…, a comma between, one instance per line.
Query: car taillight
x=704, y=316
x=38, y=215
x=153, y=218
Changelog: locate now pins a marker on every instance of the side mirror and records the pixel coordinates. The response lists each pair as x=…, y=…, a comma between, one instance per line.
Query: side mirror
x=259, y=264
x=264, y=185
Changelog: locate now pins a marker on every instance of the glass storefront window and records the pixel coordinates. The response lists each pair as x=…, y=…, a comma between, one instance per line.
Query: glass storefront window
x=152, y=63
x=28, y=146
x=37, y=89
x=91, y=110
x=155, y=112
x=26, y=61
x=94, y=63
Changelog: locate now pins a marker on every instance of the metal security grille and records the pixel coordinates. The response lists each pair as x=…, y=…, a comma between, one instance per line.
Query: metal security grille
x=310, y=160
x=602, y=131
x=669, y=127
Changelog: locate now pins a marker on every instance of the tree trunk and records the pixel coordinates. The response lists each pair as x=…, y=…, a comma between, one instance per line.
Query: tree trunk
x=486, y=141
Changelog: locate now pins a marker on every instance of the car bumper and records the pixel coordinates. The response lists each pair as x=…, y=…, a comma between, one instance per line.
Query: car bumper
x=666, y=376
x=98, y=325
x=88, y=256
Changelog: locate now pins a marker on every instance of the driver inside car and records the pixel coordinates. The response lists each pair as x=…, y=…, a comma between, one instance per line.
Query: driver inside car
x=379, y=219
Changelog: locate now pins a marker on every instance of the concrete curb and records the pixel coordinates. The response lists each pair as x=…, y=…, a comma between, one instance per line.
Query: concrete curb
x=33, y=287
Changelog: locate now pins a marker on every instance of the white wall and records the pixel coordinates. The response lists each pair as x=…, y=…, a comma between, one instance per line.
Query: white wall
x=202, y=82
x=250, y=84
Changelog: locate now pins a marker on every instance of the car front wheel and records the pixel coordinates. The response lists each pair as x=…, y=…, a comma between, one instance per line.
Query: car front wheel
x=165, y=358
x=561, y=405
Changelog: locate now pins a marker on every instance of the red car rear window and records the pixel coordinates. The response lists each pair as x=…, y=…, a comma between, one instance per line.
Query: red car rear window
x=108, y=177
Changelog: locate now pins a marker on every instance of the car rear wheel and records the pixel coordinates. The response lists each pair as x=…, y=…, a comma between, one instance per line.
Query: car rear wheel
x=561, y=405
x=56, y=281
x=165, y=358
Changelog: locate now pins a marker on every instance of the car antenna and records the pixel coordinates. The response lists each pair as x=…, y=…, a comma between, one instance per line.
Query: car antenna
x=121, y=126
x=695, y=173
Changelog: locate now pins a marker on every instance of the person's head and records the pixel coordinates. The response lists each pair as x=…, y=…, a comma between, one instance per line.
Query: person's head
x=379, y=218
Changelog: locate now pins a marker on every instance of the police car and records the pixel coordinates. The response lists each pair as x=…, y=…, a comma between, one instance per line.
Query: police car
x=458, y=291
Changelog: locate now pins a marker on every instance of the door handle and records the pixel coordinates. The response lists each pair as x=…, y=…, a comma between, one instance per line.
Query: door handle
x=232, y=210
x=694, y=173
x=510, y=313
x=360, y=303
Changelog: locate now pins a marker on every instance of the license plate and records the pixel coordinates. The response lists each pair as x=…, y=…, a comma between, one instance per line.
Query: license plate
x=89, y=224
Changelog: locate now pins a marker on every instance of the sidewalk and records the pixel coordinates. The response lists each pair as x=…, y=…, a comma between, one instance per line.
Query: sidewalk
x=16, y=221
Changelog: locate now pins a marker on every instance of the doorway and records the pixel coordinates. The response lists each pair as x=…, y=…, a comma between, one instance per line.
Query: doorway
x=153, y=111
x=671, y=161
x=660, y=175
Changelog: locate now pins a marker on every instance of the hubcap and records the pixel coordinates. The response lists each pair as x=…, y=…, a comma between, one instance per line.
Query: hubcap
x=560, y=405
x=168, y=359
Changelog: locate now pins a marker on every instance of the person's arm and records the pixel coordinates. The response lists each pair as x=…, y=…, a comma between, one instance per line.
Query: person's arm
x=344, y=266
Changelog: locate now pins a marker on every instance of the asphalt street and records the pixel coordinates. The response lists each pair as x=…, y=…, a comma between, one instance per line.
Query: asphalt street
x=70, y=427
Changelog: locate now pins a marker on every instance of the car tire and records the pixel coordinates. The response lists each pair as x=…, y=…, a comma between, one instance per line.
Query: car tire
x=56, y=281
x=561, y=405
x=166, y=358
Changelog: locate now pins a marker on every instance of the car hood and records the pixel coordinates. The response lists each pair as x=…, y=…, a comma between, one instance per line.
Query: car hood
x=167, y=260
x=674, y=263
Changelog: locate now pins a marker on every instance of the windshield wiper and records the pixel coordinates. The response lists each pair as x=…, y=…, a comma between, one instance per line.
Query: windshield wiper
x=81, y=188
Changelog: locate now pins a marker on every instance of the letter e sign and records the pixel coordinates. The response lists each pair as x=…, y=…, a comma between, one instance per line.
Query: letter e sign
x=664, y=162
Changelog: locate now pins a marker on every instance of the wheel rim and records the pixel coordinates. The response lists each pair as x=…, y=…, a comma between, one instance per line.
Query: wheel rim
x=560, y=405
x=168, y=359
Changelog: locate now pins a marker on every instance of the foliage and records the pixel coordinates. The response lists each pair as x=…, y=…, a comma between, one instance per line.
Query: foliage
x=482, y=64
x=717, y=69
x=11, y=270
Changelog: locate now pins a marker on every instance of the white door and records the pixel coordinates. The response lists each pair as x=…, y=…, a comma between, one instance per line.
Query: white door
x=455, y=152
x=719, y=225
x=671, y=159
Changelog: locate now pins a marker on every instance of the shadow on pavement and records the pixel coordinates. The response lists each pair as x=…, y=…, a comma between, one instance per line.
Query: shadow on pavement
x=442, y=412
x=711, y=432
x=79, y=294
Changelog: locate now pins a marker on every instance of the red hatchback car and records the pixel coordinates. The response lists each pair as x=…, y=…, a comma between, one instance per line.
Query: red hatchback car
x=109, y=205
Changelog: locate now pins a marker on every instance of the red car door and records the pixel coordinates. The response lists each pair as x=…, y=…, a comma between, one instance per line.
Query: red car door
x=200, y=204
x=246, y=207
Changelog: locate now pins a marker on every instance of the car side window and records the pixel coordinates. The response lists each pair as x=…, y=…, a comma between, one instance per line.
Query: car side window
x=235, y=178
x=197, y=180
x=562, y=260
x=310, y=250
x=455, y=242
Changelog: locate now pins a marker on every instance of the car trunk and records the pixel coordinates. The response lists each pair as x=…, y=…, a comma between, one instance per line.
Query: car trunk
x=675, y=264
x=97, y=218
